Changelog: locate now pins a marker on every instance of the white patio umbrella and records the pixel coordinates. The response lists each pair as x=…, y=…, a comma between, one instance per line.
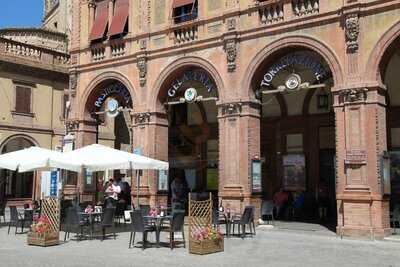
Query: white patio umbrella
x=101, y=158
x=28, y=159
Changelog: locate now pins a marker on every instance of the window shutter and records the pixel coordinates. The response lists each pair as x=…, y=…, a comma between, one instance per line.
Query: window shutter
x=23, y=99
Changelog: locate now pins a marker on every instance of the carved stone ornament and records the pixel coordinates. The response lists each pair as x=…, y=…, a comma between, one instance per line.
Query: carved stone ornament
x=353, y=95
x=231, y=24
x=73, y=81
x=230, y=49
x=72, y=125
x=231, y=109
x=142, y=118
x=352, y=28
x=142, y=66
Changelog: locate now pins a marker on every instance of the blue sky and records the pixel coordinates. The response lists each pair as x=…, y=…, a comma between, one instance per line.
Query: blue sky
x=21, y=13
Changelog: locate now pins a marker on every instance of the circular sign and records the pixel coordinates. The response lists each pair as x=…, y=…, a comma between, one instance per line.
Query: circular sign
x=112, y=105
x=190, y=95
x=293, y=82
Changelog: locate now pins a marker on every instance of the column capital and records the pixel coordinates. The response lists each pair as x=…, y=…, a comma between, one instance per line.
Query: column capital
x=357, y=95
x=239, y=109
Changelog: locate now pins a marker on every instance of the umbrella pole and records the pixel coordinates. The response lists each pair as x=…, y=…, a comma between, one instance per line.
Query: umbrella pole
x=137, y=188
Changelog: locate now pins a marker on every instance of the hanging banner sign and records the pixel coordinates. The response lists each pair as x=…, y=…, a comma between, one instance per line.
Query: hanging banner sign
x=113, y=89
x=192, y=75
x=304, y=60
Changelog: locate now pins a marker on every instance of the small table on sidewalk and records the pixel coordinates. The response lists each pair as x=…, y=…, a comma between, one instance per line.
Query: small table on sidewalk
x=158, y=220
x=91, y=217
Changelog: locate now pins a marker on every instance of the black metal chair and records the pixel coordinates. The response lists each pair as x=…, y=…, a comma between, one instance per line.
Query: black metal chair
x=138, y=225
x=267, y=211
x=395, y=217
x=15, y=220
x=75, y=223
x=220, y=218
x=247, y=218
x=176, y=225
x=119, y=211
x=107, y=221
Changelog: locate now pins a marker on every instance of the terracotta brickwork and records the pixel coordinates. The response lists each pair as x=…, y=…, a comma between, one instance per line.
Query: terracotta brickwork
x=232, y=45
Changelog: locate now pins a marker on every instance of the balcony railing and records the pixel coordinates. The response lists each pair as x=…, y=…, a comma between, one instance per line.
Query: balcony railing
x=117, y=48
x=305, y=7
x=186, y=33
x=33, y=53
x=271, y=13
x=98, y=52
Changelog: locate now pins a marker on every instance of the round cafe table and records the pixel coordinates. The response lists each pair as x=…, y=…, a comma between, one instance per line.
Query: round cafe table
x=158, y=220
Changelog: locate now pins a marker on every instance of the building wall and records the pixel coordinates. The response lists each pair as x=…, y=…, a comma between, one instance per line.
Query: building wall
x=230, y=40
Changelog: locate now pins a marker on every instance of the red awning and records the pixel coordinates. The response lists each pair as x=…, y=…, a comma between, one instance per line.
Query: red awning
x=179, y=3
x=100, y=22
x=120, y=17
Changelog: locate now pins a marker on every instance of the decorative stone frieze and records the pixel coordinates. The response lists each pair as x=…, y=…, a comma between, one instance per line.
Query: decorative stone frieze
x=231, y=24
x=142, y=66
x=231, y=109
x=352, y=29
x=353, y=95
x=231, y=52
x=73, y=81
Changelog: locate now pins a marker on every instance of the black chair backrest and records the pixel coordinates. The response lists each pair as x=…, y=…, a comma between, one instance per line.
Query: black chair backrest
x=145, y=209
x=26, y=206
x=2, y=208
x=13, y=214
x=71, y=218
x=178, y=220
x=267, y=208
x=108, y=217
x=137, y=221
x=28, y=215
x=247, y=214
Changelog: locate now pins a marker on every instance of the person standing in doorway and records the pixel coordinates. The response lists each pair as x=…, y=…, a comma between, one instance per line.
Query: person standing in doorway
x=179, y=194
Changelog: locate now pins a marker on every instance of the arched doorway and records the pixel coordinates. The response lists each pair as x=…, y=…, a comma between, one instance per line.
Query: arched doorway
x=106, y=124
x=189, y=98
x=389, y=73
x=294, y=85
x=14, y=185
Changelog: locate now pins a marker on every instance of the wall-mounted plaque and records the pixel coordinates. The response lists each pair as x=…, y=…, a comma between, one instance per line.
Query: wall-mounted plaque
x=385, y=173
x=256, y=183
x=162, y=181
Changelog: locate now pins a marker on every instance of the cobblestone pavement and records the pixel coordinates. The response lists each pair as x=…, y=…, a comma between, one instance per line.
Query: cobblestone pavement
x=268, y=248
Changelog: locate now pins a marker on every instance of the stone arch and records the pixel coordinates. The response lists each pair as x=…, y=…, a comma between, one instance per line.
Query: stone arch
x=16, y=136
x=180, y=63
x=103, y=77
x=307, y=42
x=372, y=70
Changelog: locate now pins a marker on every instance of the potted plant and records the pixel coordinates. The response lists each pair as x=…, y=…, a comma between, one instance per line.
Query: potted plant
x=42, y=233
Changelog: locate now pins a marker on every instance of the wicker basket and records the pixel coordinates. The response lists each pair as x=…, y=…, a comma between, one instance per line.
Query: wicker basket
x=43, y=240
x=206, y=246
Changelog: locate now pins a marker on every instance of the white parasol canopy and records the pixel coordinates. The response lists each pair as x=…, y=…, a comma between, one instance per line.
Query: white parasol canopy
x=100, y=158
x=28, y=159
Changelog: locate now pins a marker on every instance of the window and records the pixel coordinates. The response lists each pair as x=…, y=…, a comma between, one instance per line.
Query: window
x=22, y=99
x=184, y=10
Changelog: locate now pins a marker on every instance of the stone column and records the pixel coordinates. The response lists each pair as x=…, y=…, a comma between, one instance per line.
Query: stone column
x=239, y=143
x=363, y=211
x=150, y=136
x=91, y=6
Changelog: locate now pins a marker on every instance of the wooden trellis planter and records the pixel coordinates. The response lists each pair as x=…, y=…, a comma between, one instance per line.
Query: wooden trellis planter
x=200, y=217
x=50, y=209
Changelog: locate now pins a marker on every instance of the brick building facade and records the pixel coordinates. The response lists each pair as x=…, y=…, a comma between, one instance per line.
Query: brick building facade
x=332, y=65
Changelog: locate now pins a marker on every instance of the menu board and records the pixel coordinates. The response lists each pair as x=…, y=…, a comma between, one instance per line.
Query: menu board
x=162, y=181
x=294, y=172
x=395, y=171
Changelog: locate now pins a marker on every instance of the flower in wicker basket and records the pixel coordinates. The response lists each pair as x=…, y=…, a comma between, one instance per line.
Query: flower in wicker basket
x=41, y=226
x=208, y=233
